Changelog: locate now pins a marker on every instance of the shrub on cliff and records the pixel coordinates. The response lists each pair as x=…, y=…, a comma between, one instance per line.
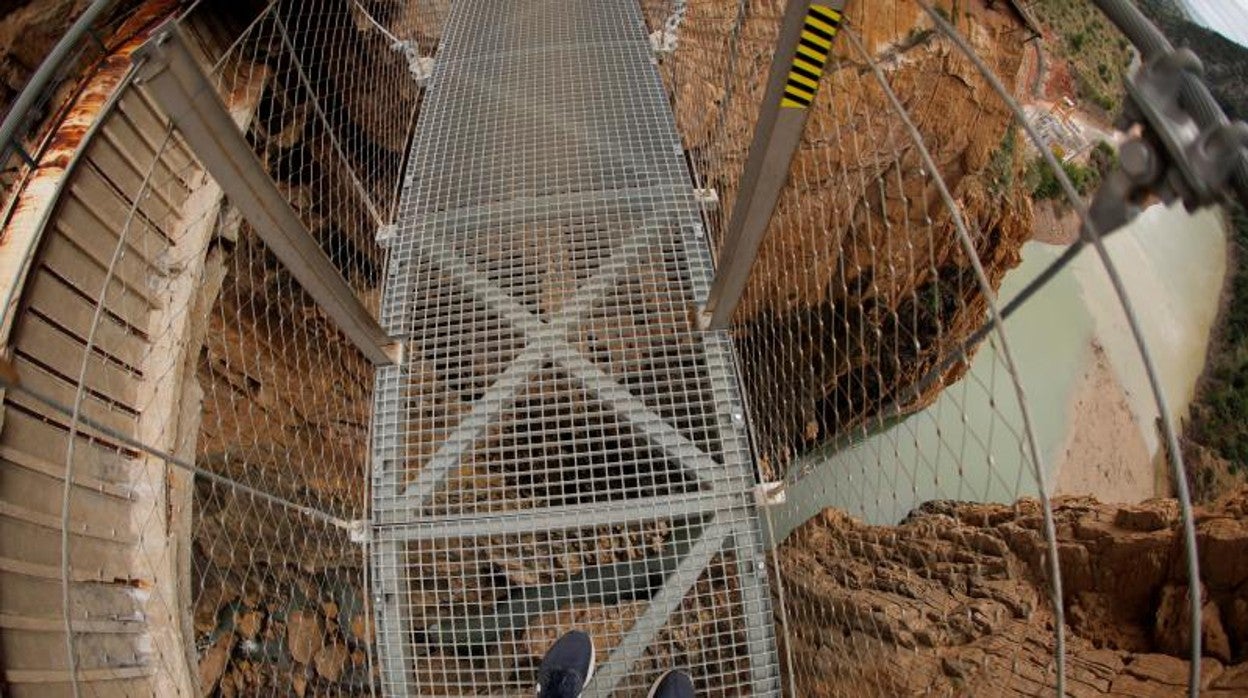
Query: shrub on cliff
x=1044, y=184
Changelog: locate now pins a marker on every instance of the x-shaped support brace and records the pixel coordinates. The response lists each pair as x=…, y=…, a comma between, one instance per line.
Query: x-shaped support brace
x=547, y=342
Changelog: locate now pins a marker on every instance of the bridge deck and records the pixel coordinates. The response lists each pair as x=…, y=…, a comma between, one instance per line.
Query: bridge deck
x=559, y=447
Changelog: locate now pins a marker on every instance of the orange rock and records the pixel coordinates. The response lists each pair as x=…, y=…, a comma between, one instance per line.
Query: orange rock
x=299, y=682
x=362, y=628
x=304, y=635
x=956, y=596
x=212, y=663
x=248, y=624
x=330, y=660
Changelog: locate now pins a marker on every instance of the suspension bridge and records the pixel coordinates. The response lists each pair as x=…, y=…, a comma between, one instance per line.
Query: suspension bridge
x=361, y=347
x=553, y=393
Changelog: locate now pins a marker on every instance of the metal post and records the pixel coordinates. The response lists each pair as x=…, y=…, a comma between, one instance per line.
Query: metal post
x=1193, y=92
x=170, y=73
x=392, y=602
x=802, y=51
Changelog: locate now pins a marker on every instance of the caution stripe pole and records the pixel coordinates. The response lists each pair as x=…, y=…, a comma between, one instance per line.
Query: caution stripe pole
x=803, y=52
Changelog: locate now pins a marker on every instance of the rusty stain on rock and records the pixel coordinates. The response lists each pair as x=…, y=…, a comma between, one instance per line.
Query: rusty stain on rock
x=37, y=191
x=82, y=111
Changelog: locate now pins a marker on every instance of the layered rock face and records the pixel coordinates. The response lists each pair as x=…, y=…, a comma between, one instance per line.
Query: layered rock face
x=955, y=600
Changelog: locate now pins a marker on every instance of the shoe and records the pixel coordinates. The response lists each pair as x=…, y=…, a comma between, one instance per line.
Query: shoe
x=673, y=684
x=567, y=666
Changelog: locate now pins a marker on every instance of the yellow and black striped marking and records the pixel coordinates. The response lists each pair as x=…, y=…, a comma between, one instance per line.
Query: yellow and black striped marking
x=812, y=54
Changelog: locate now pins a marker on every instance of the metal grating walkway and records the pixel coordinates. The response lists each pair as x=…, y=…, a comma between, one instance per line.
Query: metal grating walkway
x=559, y=448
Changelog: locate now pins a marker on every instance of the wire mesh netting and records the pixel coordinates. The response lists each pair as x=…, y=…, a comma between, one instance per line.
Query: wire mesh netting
x=206, y=488
x=188, y=445
x=338, y=86
x=881, y=384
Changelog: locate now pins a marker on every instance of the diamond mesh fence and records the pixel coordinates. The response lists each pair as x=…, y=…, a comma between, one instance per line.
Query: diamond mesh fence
x=884, y=392
x=338, y=86
x=186, y=433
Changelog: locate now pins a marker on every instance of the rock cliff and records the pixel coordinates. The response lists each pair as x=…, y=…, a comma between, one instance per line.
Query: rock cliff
x=28, y=30
x=954, y=600
x=862, y=285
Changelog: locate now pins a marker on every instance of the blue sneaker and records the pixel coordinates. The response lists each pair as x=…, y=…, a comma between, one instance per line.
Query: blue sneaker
x=567, y=666
x=673, y=684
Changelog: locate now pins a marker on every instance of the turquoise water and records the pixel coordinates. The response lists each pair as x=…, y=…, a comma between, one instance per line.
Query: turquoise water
x=968, y=444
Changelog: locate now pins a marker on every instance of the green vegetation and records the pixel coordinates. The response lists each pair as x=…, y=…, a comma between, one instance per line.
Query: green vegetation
x=1096, y=52
x=1219, y=416
x=1044, y=184
x=1000, y=170
x=1103, y=158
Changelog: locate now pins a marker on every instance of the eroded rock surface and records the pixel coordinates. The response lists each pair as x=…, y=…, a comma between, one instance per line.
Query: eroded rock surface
x=954, y=600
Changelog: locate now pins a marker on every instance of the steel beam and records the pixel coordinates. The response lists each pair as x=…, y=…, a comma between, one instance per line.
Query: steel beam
x=635, y=412
x=484, y=412
x=663, y=604
x=545, y=340
x=390, y=592
x=604, y=584
x=386, y=449
x=564, y=517
x=759, y=636
x=802, y=51
x=751, y=569
x=649, y=425
x=167, y=69
x=527, y=209
x=476, y=284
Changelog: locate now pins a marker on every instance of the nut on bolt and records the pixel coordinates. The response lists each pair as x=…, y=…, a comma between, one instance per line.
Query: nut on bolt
x=1138, y=161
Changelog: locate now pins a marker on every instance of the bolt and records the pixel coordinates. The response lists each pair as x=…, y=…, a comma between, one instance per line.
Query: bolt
x=1138, y=160
x=738, y=417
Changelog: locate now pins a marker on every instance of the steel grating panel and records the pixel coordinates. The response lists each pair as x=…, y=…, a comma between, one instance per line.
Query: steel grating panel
x=560, y=447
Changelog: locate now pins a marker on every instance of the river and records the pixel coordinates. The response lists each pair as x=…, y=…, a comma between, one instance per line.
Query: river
x=968, y=444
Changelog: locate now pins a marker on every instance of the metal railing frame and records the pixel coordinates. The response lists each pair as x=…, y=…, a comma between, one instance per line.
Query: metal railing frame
x=777, y=135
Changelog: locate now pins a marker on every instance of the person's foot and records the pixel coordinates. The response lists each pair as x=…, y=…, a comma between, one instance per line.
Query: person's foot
x=567, y=666
x=673, y=684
